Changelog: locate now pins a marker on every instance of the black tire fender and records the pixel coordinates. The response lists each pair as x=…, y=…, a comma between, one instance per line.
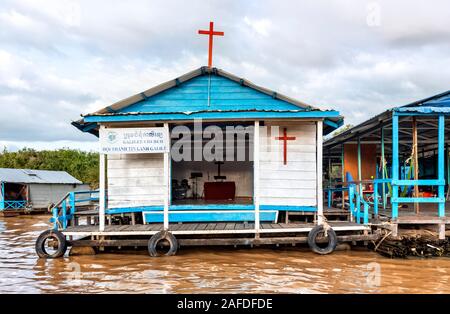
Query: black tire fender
x=58, y=237
x=312, y=240
x=161, y=236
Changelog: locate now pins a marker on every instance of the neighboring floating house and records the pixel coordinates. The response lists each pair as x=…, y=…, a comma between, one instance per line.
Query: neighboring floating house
x=399, y=161
x=25, y=189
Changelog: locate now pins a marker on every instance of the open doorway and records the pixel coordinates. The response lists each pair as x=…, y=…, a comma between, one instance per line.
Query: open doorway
x=217, y=164
x=14, y=195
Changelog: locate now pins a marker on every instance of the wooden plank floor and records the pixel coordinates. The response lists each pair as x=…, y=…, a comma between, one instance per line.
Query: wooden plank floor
x=207, y=228
x=327, y=211
x=428, y=214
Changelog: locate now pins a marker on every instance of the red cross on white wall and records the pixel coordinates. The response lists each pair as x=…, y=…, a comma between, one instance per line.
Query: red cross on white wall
x=285, y=138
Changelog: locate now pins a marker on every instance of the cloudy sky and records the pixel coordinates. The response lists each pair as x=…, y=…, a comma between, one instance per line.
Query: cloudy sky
x=61, y=58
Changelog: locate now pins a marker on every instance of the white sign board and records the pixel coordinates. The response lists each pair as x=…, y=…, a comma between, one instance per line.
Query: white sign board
x=133, y=140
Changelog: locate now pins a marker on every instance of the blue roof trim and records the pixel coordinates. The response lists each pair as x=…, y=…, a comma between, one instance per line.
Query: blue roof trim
x=228, y=115
x=333, y=124
x=436, y=104
x=424, y=110
x=209, y=93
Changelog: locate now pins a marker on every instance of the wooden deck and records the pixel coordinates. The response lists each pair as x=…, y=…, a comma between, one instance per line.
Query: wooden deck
x=205, y=228
x=428, y=214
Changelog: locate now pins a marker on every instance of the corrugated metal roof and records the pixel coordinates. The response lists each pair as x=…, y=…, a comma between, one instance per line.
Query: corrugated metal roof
x=36, y=176
x=206, y=91
x=436, y=104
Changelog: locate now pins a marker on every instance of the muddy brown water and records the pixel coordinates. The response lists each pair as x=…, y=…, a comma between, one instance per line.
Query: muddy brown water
x=209, y=270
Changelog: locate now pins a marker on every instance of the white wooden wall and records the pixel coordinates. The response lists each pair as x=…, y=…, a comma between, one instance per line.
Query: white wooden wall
x=135, y=180
x=42, y=195
x=295, y=183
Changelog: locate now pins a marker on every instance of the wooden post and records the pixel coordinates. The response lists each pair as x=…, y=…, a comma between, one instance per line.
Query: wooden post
x=441, y=165
x=329, y=168
x=395, y=166
x=343, y=177
x=319, y=172
x=2, y=194
x=102, y=193
x=415, y=162
x=383, y=174
x=448, y=169
x=256, y=139
x=167, y=178
x=360, y=189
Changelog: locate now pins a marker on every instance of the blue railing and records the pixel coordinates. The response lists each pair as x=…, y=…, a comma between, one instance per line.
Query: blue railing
x=396, y=184
x=65, y=209
x=355, y=200
x=14, y=204
x=376, y=195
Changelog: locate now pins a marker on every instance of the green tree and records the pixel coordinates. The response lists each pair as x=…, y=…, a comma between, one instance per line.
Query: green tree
x=81, y=165
x=342, y=129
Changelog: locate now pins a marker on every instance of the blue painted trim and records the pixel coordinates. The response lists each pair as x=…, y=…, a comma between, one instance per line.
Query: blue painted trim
x=375, y=199
x=64, y=214
x=419, y=200
x=138, y=209
x=366, y=213
x=395, y=168
x=212, y=115
x=441, y=164
x=351, y=198
x=14, y=204
x=2, y=197
x=430, y=113
x=383, y=180
x=158, y=217
x=333, y=124
x=213, y=207
x=358, y=208
x=289, y=208
x=89, y=127
x=418, y=182
x=54, y=218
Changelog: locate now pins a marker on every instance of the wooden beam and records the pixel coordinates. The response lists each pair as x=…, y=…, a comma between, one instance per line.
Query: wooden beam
x=167, y=178
x=343, y=174
x=415, y=162
x=441, y=163
x=220, y=241
x=383, y=166
x=319, y=166
x=395, y=164
x=256, y=170
x=102, y=189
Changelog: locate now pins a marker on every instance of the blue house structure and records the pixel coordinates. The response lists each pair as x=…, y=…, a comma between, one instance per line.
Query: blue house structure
x=222, y=99
x=413, y=168
x=209, y=158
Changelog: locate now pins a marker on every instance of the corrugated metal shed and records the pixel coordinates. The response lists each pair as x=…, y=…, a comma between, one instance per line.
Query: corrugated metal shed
x=36, y=176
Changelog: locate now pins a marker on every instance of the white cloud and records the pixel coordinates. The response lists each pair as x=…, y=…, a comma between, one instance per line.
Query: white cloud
x=59, y=59
x=260, y=26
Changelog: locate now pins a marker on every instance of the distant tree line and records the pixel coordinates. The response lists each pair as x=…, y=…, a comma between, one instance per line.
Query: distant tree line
x=81, y=165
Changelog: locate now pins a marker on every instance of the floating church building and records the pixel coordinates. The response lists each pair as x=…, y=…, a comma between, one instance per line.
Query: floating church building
x=208, y=158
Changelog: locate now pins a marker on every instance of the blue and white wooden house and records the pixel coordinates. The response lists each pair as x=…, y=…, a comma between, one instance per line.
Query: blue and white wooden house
x=285, y=173
x=413, y=141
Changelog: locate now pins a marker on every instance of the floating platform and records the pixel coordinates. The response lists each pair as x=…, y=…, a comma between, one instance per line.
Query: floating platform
x=206, y=229
x=212, y=234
